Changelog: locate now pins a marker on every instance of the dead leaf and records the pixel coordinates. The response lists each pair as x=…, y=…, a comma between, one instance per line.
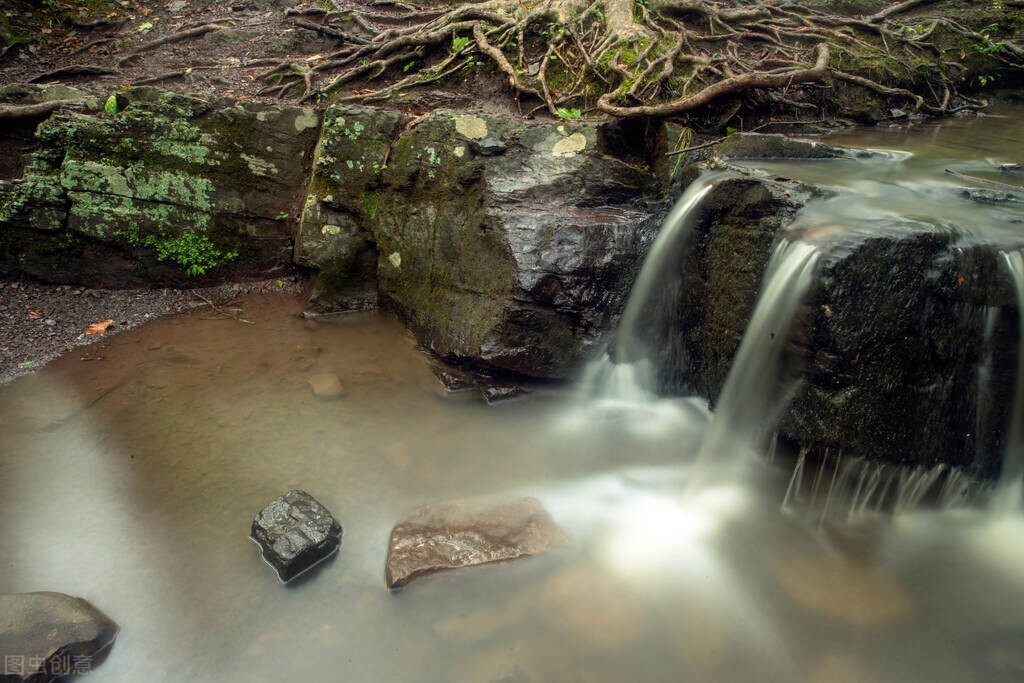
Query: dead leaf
x=36, y=314
x=99, y=328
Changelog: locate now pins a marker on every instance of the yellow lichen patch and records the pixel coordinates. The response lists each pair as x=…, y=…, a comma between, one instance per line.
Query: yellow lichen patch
x=396, y=259
x=570, y=146
x=459, y=151
x=472, y=127
x=307, y=119
x=330, y=229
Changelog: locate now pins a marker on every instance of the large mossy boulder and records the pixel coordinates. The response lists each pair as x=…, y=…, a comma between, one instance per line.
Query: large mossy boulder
x=152, y=187
x=507, y=246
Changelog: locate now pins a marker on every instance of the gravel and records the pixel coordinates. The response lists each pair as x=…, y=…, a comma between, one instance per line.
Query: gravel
x=40, y=322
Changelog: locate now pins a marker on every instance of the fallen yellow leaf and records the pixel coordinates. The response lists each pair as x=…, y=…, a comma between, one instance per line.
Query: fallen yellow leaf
x=99, y=328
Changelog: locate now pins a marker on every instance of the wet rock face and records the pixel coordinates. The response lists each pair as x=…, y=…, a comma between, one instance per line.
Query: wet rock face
x=165, y=189
x=507, y=247
x=47, y=635
x=295, y=533
x=456, y=534
x=706, y=307
x=909, y=353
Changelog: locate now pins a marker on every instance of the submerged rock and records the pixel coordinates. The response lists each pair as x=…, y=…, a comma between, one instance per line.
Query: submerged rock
x=295, y=533
x=773, y=146
x=48, y=635
x=326, y=385
x=456, y=534
x=496, y=392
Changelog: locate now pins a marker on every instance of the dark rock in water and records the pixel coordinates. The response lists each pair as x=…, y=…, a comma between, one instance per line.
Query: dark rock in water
x=1016, y=170
x=454, y=379
x=984, y=196
x=295, y=532
x=456, y=534
x=496, y=392
x=44, y=636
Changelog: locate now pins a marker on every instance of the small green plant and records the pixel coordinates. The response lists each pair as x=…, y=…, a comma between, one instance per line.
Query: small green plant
x=571, y=113
x=280, y=284
x=409, y=67
x=110, y=106
x=459, y=42
x=281, y=216
x=194, y=252
x=985, y=79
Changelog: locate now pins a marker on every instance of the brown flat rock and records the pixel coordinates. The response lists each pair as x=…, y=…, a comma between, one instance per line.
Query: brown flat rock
x=462, y=533
x=48, y=635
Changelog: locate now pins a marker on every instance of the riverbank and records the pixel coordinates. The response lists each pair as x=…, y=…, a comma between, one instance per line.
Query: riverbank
x=41, y=322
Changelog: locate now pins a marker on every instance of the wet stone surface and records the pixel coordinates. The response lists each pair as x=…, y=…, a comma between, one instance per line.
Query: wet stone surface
x=47, y=635
x=466, y=533
x=295, y=533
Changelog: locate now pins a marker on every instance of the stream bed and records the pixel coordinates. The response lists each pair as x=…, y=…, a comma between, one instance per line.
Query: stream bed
x=130, y=473
x=132, y=481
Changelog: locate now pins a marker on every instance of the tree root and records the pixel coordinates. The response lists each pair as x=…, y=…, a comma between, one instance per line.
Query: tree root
x=26, y=111
x=75, y=70
x=194, y=32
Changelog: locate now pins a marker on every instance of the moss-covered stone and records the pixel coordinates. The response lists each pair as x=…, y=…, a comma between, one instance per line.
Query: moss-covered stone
x=167, y=178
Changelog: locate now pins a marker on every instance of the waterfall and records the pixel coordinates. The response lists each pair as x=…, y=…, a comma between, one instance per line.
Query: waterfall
x=626, y=372
x=752, y=398
x=1011, y=479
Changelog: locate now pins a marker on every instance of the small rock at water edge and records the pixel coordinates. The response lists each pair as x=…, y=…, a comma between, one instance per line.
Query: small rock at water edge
x=295, y=533
x=45, y=635
x=464, y=533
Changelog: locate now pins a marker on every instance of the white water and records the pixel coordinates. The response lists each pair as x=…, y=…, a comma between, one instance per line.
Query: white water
x=1008, y=497
x=754, y=394
x=625, y=375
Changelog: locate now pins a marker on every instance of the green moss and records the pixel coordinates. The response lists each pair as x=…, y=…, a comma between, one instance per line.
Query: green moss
x=371, y=202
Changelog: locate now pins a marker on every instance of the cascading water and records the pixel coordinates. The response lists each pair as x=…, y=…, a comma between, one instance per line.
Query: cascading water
x=753, y=398
x=625, y=372
x=1009, y=492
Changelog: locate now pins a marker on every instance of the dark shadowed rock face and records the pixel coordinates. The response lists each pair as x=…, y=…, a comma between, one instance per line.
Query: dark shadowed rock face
x=295, y=532
x=456, y=534
x=910, y=351
x=166, y=188
x=48, y=635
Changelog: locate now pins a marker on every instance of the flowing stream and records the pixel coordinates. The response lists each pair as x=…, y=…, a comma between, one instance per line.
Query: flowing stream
x=1011, y=480
x=132, y=481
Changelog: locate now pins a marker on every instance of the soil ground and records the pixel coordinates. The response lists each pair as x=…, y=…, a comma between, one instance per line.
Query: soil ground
x=252, y=37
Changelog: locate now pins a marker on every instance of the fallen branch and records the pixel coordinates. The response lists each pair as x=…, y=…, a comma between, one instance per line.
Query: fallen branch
x=220, y=311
